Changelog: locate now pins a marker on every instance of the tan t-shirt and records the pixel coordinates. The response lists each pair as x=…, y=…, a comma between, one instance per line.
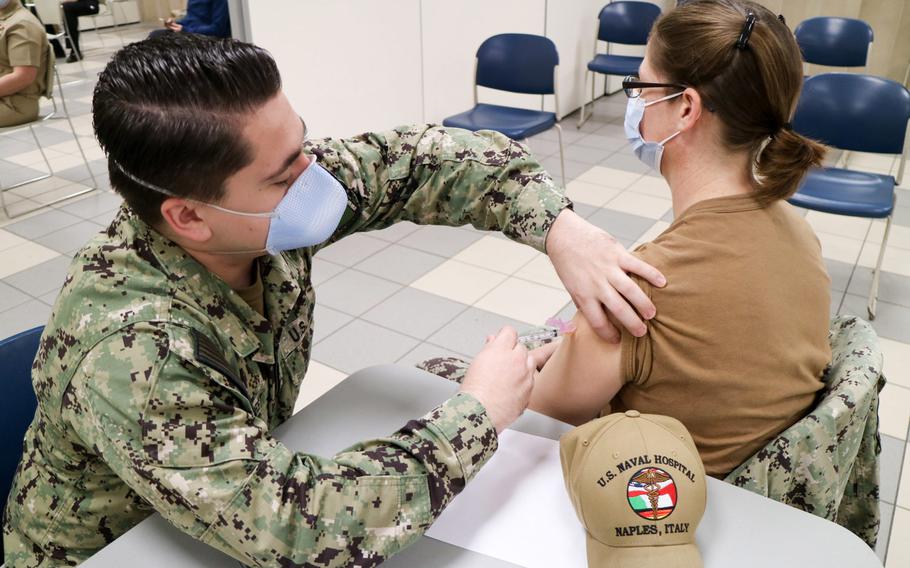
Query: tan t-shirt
x=739, y=343
x=23, y=43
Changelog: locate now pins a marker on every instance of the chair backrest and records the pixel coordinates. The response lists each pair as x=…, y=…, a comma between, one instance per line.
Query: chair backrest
x=854, y=112
x=627, y=22
x=17, y=403
x=519, y=63
x=837, y=42
x=827, y=463
x=49, y=12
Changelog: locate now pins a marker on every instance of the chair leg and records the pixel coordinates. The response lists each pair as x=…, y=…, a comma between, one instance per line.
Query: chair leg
x=581, y=113
x=41, y=149
x=98, y=31
x=876, y=275
x=562, y=154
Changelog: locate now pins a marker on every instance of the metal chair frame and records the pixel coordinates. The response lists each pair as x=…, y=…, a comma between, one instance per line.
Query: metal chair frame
x=52, y=76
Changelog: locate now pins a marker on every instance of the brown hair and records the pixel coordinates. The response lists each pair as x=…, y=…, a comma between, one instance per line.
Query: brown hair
x=753, y=88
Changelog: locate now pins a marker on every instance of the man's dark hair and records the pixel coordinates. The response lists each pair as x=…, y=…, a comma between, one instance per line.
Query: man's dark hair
x=168, y=110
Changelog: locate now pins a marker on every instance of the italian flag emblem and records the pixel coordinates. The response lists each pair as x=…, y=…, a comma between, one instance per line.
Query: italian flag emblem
x=652, y=493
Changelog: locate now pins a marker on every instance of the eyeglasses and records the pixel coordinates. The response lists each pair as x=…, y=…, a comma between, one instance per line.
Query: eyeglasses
x=633, y=86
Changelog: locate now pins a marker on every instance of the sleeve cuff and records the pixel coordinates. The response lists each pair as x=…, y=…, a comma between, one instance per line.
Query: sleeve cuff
x=534, y=212
x=464, y=422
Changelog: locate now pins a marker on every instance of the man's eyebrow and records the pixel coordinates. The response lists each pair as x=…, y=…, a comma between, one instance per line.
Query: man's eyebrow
x=292, y=157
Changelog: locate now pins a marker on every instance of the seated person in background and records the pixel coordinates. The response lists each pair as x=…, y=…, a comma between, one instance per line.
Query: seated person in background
x=23, y=63
x=72, y=10
x=739, y=344
x=205, y=17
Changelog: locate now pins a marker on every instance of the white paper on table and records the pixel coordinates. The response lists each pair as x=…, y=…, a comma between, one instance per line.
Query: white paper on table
x=516, y=509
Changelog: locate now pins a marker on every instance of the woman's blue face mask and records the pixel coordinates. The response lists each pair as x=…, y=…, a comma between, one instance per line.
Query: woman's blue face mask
x=650, y=153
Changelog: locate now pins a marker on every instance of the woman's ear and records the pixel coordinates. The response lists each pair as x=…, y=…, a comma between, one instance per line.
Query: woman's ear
x=183, y=219
x=690, y=109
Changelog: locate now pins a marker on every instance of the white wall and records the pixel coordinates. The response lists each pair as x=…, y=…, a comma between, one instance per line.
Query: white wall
x=355, y=65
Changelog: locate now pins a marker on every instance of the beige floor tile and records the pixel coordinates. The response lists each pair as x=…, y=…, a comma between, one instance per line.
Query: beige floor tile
x=640, y=204
x=897, y=361
x=836, y=247
x=541, y=271
x=20, y=257
x=39, y=187
x=319, y=380
x=899, y=544
x=524, y=301
x=590, y=193
x=609, y=177
x=9, y=240
x=896, y=259
x=653, y=186
x=894, y=411
x=496, y=254
x=59, y=193
x=903, y=492
x=458, y=281
x=853, y=227
x=861, y=160
x=34, y=158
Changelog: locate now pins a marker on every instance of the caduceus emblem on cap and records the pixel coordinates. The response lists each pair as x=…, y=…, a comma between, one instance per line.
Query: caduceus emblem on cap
x=651, y=478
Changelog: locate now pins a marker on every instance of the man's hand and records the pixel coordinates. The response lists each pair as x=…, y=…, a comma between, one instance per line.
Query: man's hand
x=593, y=267
x=172, y=25
x=501, y=377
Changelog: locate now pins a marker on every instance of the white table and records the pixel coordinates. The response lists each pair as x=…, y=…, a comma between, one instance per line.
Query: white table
x=739, y=528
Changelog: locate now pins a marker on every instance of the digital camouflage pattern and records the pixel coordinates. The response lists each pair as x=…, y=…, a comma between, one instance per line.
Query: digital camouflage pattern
x=158, y=386
x=827, y=463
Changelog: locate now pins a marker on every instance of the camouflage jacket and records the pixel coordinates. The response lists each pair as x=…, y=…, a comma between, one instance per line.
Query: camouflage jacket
x=158, y=386
x=827, y=463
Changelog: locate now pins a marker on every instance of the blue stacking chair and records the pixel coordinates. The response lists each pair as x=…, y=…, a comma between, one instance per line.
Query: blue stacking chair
x=17, y=403
x=861, y=113
x=835, y=42
x=627, y=23
x=517, y=63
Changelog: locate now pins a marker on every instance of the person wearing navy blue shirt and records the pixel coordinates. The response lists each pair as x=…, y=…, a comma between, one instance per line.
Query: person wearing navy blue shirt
x=205, y=17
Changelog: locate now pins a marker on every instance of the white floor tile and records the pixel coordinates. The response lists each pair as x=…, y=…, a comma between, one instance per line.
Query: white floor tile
x=894, y=411
x=651, y=234
x=20, y=257
x=896, y=260
x=458, y=281
x=899, y=546
x=641, y=205
x=541, y=271
x=319, y=379
x=590, y=193
x=853, y=227
x=39, y=187
x=903, y=493
x=497, y=254
x=897, y=361
x=34, y=157
x=836, y=247
x=653, y=186
x=862, y=160
x=610, y=177
x=9, y=240
x=899, y=236
x=524, y=301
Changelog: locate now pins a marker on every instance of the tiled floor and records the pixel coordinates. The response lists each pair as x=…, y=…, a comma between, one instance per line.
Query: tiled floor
x=407, y=293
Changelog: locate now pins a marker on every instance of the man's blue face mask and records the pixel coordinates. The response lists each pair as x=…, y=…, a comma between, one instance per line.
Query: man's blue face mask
x=307, y=215
x=648, y=152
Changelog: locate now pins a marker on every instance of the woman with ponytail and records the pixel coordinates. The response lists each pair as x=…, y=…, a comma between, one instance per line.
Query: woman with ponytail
x=739, y=344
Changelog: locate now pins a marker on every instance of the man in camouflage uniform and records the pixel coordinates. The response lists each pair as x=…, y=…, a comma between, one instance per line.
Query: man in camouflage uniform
x=166, y=362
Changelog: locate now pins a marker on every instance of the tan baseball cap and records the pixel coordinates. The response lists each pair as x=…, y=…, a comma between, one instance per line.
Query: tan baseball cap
x=638, y=487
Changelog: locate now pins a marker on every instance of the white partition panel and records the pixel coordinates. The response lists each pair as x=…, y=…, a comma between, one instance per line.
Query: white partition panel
x=348, y=66
x=452, y=32
x=572, y=27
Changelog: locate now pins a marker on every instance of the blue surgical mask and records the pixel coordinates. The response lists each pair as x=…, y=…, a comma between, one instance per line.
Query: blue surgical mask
x=648, y=152
x=307, y=215
x=4, y=4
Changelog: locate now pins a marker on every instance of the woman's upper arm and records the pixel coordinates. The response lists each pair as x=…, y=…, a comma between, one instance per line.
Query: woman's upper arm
x=581, y=378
